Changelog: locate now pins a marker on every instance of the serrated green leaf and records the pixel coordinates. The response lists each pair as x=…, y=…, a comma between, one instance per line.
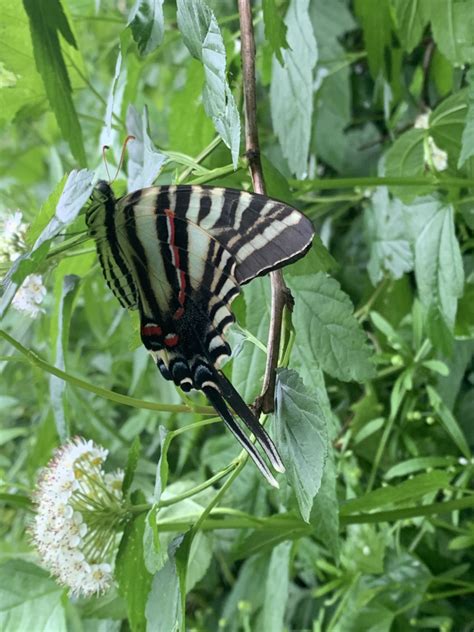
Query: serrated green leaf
x=374, y=16
x=467, y=141
x=438, y=262
x=59, y=342
x=145, y=161
x=134, y=581
x=325, y=512
x=412, y=17
x=291, y=90
x=132, y=462
x=248, y=366
x=30, y=599
x=276, y=588
x=452, y=24
x=406, y=159
x=275, y=28
x=390, y=250
x=202, y=36
x=447, y=124
x=301, y=437
x=147, y=23
x=330, y=333
x=449, y=421
x=47, y=22
x=163, y=608
x=409, y=490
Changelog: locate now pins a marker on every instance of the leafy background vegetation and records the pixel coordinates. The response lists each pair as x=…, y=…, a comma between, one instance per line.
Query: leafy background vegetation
x=366, y=119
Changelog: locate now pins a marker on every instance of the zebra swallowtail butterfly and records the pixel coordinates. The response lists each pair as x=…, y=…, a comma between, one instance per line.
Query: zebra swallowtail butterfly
x=179, y=255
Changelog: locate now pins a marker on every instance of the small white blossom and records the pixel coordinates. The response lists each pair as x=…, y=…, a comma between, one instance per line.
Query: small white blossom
x=439, y=157
x=79, y=508
x=12, y=236
x=422, y=121
x=30, y=295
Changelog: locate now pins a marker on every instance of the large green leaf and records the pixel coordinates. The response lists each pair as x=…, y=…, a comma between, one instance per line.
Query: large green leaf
x=438, y=263
x=406, y=159
x=291, y=91
x=47, y=23
x=412, y=17
x=163, y=608
x=447, y=123
x=467, y=141
x=275, y=28
x=147, y=24
x=30, y=599
x=374, y=16
x=276, y=589
x=201, y=34
x=327, y=330
x=134, y=580
x=452, y=25
x=390, y=249
x=301, y=437
x=145, y=160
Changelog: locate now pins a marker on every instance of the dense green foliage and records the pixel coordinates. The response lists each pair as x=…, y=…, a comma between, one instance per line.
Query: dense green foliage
x=366, y=122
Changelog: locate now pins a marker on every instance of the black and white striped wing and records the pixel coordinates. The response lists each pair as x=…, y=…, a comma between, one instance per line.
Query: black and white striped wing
x=180, y=254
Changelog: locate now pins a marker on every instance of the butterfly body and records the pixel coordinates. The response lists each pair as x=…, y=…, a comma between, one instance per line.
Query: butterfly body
x=179, y=254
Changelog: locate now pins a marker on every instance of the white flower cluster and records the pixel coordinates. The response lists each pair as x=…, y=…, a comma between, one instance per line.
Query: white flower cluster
x=30, y=295
x=433, y=154
x=12, y=236
x=78, y=508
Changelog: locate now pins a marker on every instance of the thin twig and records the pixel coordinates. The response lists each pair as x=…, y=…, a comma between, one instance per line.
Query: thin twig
x=280, y=293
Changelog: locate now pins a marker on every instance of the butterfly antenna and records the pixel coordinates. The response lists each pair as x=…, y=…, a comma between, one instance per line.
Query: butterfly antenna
x=122, y=155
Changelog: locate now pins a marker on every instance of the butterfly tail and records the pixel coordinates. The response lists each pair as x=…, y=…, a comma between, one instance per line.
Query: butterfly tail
x=235, y=401
x=219, y=404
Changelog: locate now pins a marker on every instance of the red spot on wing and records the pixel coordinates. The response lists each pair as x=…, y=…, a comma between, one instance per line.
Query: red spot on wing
x=171, y=340
x=151, y=330
x=179, y=313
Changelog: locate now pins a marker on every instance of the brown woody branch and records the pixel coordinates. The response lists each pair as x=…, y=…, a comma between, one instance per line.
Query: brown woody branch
x=280, y=293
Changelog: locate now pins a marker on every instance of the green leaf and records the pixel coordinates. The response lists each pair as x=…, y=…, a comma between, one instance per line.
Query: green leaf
x=390, y=250
x=409, y=490
x=29, y=599
x=275, y=28
x=420, y=463
x=301, y=437
x=163, y=608
x=59, y=339
x=145, y=162
x=324, y=516
x=412, y=17
x=189, y=129
x=147, y=23
x=447, y=124
x=276, y=589
x=134, y=581
x=248, y=365
x=452, y=25
x=467, y=141
x=438, y=262
x=317, y=259
x=47, y=22
x=374, y=16
x=406, y=159
x=201, y=34
x=333, y=337
x=291, y=90
x=162, y=468
x=449, y=421
x=132, y=462
x=18, y=71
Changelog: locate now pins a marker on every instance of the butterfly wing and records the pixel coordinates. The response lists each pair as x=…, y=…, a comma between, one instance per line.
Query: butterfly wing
x=180, y=254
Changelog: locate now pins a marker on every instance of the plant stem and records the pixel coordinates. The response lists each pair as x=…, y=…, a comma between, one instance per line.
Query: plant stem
x=351, y=183
x=102, y=392
x=280, y=293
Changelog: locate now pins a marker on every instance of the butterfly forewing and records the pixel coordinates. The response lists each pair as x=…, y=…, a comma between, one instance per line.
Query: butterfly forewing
x=180, y=254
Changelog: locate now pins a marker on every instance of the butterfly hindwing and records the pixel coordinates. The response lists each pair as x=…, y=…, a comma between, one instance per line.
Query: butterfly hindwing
x=179, y=255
